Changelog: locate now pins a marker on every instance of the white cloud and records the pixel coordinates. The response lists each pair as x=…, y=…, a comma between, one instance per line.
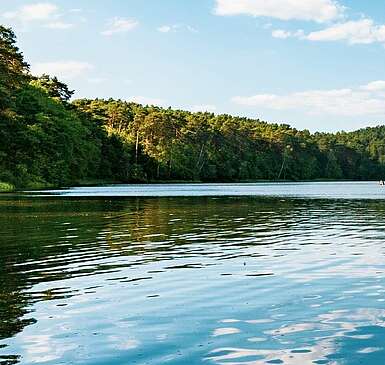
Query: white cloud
x=164, y=29
x=374, y=86
x=204, y=108
x=120, y=25
x=361, y=101
x=311, y=10
x=362, y=31
x=62, y=69
x=284, y=34
x=32, y=12
x=45, y=14
x=146, y=101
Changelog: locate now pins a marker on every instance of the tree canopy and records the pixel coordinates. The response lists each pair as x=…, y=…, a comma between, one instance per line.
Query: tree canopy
x=46, y=140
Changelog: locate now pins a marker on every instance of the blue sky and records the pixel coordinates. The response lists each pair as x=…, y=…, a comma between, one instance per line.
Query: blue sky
x=315, y=64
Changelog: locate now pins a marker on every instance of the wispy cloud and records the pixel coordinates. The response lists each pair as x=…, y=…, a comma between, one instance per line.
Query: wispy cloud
x=339, y=28
x=283, y=34
x=120, y=25
x=175, y=28
x=33, y=12
x=65, y=70
x=165, y=29
x=311, y=10
x=41, y=14
x=363, y=31
x=364, y=100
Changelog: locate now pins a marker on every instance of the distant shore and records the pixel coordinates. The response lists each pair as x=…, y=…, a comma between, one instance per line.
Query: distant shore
x=9, y=188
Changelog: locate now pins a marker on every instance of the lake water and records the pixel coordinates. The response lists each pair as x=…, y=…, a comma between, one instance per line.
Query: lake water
x=226, y=274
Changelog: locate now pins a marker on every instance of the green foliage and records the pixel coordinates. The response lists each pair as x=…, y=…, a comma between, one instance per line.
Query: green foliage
x=47, y=141
x=179, y=145
x=13, y=69
x=53, y=87
x=4, y=187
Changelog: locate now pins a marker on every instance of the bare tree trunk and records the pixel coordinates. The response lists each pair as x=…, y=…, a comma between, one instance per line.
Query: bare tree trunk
x=137, y=146
x=199, y=159
x=170, y=164
x=283, y=164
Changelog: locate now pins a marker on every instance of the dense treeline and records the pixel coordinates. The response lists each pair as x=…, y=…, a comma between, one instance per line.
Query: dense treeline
x=47, y=140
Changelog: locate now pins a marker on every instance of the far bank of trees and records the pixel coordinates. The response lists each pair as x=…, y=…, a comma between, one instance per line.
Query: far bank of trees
x=46, y=140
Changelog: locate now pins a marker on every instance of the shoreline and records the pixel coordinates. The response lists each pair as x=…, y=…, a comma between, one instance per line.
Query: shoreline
x=9, y=188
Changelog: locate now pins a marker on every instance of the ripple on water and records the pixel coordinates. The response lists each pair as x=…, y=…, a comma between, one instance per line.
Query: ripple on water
x=202, y=280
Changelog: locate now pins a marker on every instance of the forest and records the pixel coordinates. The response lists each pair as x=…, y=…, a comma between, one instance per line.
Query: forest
x=47, y=139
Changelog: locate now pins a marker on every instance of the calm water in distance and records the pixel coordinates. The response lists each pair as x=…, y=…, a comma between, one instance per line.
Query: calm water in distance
x=244, y=274
x=342, y=190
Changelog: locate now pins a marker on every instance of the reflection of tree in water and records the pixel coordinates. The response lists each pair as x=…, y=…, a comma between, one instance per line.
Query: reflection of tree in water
x=38, y=236
x=34, y=234
x=152, y=226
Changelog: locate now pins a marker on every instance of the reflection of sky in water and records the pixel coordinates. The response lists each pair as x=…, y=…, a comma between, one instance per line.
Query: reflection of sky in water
x=316, y=342
x=179, y=281
x=335, y=190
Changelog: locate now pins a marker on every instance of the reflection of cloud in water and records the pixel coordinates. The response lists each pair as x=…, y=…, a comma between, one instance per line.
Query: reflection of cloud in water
x=328, y=332
x=259, y=321
x=335, y=249
x=230, y=320
x=256, y=339
x=123, y=344
x=44, y=348
x=369, y=350
x=351, y=320
x=300, y=327
x=285, y=357
x=370, y=264
x=225, y=331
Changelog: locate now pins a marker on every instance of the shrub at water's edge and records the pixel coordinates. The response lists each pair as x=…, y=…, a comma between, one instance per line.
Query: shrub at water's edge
x=46, y=140
x=6, y=187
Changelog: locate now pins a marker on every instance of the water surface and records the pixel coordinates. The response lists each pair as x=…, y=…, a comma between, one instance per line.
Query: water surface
x=113, y=279
x=328, y=190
